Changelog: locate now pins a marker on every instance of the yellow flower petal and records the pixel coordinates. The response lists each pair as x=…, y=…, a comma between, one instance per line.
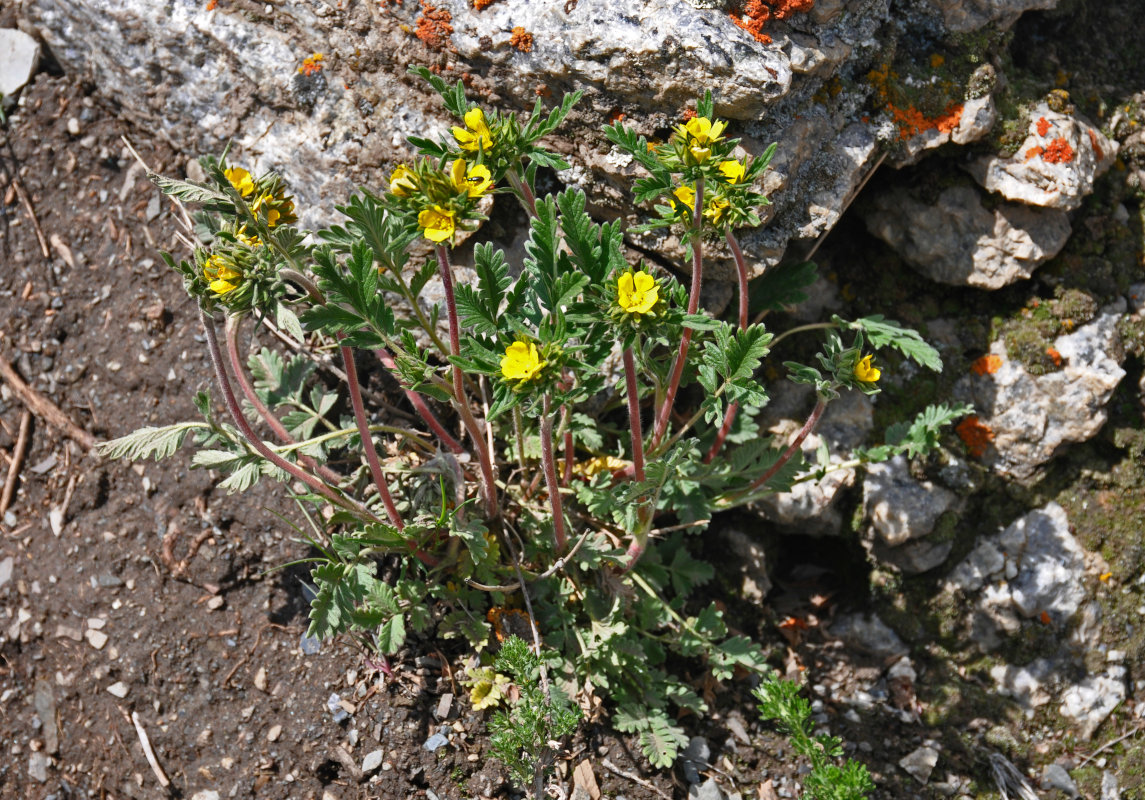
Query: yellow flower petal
x=521, y=362
x=478, y=136
x=401, y=181
x=732, y=170
x=865, y=372
x=241, y=180
x=437, y=223
x=686, y=195
x=637, y=293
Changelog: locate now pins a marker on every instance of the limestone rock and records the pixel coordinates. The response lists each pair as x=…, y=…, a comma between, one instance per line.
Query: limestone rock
x=956, y=240
x=19, y=55
x=920, y=763
x=1091, y=701
x=901, y=513
x=963, y=16
x=1033, y=570
x=1027, y=684
x=1055, y=166
x=868, y=634
x=1032, y=416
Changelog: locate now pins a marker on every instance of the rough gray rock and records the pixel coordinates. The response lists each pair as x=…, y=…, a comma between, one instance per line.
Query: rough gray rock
x=1055, y=776
x=1109, y=787
x=751, y=559
x=19, y=55
x=1032, y=568
x=201, y=78
x=1032, y=416
x=956, y=240
x=1091, y=701
x=708, y=790
x=1054, y=170
x=1026, y=684
x=901, y=512
x=868, y=634
x=372, y=761
x=920, y=763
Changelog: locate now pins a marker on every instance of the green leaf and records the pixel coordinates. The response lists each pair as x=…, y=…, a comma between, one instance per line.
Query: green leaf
x=662, y=741
x=882, y=332
x=186, y=191
x=155, y=442
x=392, y=634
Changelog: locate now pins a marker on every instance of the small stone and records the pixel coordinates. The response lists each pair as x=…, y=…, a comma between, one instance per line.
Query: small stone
x=920, y=763
x=67, y=632
x=708, y=790
x=19, y=55
x=109, y=581
x=96, y=639
x=695, y=757
x=45, y=703
x=216, y=602
x=1109, y=788
x=1055, y=776
x=38, y=766
x=204, y=737
x=309, y=645
x=434, y=742
x=74, y=126
x=5, y=570
x=443, y=706
x=96, y=623
x=260, y=679
x=206, y=794
x=372, y=761
x=119, y=689
x=738, y=730
x=273, y=734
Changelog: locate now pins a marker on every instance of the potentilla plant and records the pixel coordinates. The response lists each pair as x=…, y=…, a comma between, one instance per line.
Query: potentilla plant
x=555, y=477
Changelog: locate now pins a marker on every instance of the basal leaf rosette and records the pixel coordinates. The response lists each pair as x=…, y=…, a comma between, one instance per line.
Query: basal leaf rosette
x=440, y=198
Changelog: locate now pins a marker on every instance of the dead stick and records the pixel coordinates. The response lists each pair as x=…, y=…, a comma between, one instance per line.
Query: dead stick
x=16, y=462
x=44, y=408
x=148, y=752
x=608, y=765
x=27, y=201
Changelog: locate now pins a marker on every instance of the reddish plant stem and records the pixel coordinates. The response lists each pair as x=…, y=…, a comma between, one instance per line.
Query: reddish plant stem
x=234, y=323
x=551, y=483
x=259, y=446
x=419, y=405
x=367, y=438
x=804, y=432
x=488, y=484
x=636, y=432
x=570, y=457
x=519, y=183
x=741, y=271
x=686, y=335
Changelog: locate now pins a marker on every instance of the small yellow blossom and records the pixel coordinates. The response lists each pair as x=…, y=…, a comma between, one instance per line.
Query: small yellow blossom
x=475, y=180
x=865, y=372
x=437, y=223
x=221, y=276
x=401, y=181
x=478, y=136
x=686, y=195
x=486, y=687
x=716, y=209
x=732, y=170
x=637, y=292
x=241, y=180
x=521, y=362
x=701, y=133
x=244, y=238
x=600, y=464
x=278, y=208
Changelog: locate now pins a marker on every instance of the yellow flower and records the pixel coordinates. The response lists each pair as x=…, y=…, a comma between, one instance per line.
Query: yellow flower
x=487, y=687
x=595, y=466
x=437, y=223
x=241, y=180
x=478, y=136
x=221, y=275
x=401, y=181
x=865, y=372
x=716, y=209
x=521, y=362
x=732, y=170
x=278, y=208
x=686, y=195
x=242, y=237
x=474, y=180
x=637, y=292
x=701, y=133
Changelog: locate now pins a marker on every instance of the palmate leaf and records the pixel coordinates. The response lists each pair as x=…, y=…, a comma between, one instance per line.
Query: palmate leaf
x=147, y=442
x=882, y=332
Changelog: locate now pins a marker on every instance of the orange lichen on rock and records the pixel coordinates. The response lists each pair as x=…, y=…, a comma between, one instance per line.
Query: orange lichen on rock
x=1034, y=152
x=1054, y=355
x=480, y=4
x=433, y=26
x=311, y=64
x=987, y=365
x=976, y=435
x=782, y=9
x=912, y=122
x=212, y=5
x=753, y=16
x=1043, y=126
x=1058, y=152
x=522, y=40
x=1097, y=151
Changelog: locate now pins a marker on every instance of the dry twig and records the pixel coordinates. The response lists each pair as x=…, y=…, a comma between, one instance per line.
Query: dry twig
x=145, y=743
x=615, y=770
x=16, y=462
x=27, y=201
x=44, y=408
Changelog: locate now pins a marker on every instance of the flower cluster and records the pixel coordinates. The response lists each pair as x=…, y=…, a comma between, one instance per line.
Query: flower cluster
x=266, y=197
x=441, y=200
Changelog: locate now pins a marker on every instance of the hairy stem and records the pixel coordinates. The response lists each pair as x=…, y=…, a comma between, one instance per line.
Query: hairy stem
x=233, y=324
x=232, y=404
x=741, y=272
x=522, y=190
x=488, y=484
x=693, y=306
x=792, y=449
x=636, y=432
x=551, y=475
x=419, y=405
x=367, y=439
